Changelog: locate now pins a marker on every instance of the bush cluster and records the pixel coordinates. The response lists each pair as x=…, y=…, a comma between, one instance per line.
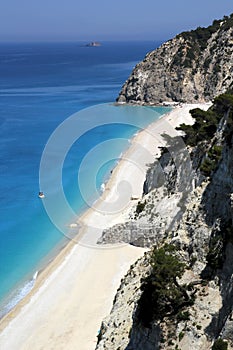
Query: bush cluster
x=140, y=207
x=220, y=344
x=203, y=129
x=211, y=162
x=161, y=293
x=196, y=42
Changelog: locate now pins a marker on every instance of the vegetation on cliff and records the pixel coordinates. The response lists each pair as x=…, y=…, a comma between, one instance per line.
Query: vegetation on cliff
x=202, y=238
x=206, y=122
x=196, y=41
x=220, y=344
x=201, y=133
x=162, y=295
x=169, y=312
x=193, y=66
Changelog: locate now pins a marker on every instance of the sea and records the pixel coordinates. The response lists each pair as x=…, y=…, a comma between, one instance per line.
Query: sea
x=42, y=85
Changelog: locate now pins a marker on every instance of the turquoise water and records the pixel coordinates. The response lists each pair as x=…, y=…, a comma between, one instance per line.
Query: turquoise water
x=41, y=86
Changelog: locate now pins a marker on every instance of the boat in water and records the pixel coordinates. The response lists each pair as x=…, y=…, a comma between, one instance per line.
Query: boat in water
x=41, y=195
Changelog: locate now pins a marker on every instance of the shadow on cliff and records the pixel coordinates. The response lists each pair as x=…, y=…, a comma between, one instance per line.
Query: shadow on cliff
x=142, y=338
x=217, y=205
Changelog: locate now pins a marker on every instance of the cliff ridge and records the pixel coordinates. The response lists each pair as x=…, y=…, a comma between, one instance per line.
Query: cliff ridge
x=193, y=67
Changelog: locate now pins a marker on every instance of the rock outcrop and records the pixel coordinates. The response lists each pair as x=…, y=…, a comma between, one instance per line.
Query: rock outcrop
x=195, y=217
x=193, y=67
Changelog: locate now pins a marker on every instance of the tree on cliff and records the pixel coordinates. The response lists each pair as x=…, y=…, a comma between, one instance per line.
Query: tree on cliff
x=162, y=295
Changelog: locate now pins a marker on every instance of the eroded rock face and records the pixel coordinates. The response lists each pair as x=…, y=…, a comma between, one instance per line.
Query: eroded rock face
x=206, y=216
x=116, y=328
x=193, y=213
x=165, y=193
x=193, y=67
x=210, y=316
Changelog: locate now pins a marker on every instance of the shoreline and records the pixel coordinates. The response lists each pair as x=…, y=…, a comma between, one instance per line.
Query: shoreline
x=55, y=274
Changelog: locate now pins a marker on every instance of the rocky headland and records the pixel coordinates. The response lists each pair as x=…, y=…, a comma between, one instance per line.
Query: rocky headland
x=193, y=67
x=180, y=295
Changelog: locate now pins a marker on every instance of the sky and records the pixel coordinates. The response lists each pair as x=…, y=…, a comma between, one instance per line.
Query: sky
x=89, y=20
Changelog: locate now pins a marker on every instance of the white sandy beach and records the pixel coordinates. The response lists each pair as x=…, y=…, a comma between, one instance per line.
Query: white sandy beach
x=75, y=293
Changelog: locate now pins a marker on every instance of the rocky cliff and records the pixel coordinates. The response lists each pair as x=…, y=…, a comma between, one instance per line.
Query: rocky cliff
x=192, y=211
x=193, y=67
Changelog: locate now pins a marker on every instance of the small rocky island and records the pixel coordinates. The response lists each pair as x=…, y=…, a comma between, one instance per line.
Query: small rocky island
x=93, y=44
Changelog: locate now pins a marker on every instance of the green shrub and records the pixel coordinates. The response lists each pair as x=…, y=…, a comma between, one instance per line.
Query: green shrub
x=206, y=122
x=223, y=102
x=140, y=207
x=215, y=152
x=207, y=166
x=161, y=293
x=220, y=344
x=181, y=336
x=183, y=316
x=203, y=129
x=211, y=162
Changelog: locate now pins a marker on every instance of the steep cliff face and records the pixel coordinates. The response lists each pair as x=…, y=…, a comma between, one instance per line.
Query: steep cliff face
x=115, y=329
x=165, y=192
x=203, y=236
x=193, y=67
x=168, y=182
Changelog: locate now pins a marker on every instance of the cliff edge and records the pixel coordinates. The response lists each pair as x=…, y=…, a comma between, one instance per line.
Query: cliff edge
x=179, y=295
x=193, y=67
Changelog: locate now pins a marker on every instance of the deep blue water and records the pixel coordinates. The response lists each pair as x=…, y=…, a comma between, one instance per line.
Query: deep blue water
x=41, y=85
